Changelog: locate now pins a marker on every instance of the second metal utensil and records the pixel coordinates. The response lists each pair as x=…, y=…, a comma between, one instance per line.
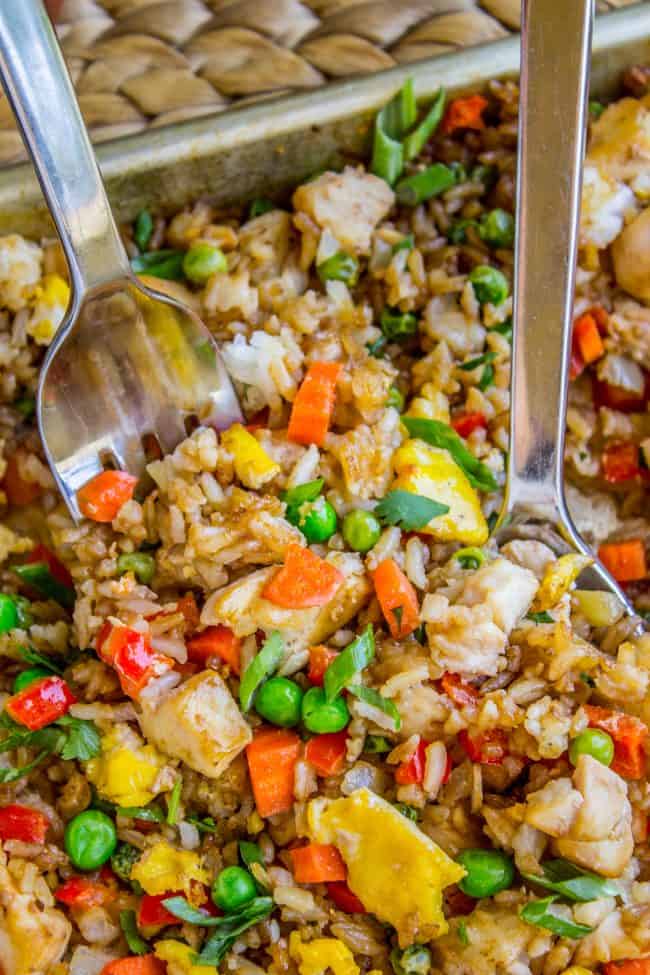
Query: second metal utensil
x=555, y=52
x=126, y=362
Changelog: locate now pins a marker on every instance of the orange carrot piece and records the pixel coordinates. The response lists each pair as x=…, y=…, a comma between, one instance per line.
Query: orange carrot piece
x=326, y=753
x=317, y=863
x=102, y=497
x=272, y=757
x=136, y=965
x=464, y=113
x=312, y=408
x=19, y=491
x=629, y=735
x=397, y=598
x=630, y=966
x=625, y=560
x=587, y=338
x=216, y=641
x=303, y=581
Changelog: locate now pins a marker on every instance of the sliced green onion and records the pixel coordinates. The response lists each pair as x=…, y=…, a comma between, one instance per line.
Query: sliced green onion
x=140, y=564
x=31, y=656
x=391, y=125
x=260, y=206
x=350, y=662
x=261, y=667
x=541, y=617
x=441, y=435
x=407, y=243
x=415, y=141
x=160, y=264
x=410, y=812
x=339, y=267
x=377, y=745
x=395, y=399
x=174, y=801
x=137, y=945
x=397, y=325
x=143, y=229
x=201, y=261
x=430, y=182
x=539, y=913
x=470, y=558
x=26, y=406
x=294, y=498
x=376, y=700
x=572, y=883
x=39, y=576
x=250, y=853
x=376, y=348
x=504, y=328
x=487, y=378
x=148, y=814
x=480, y=360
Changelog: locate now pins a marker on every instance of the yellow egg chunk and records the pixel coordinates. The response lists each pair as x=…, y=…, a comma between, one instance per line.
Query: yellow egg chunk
x=558, y=578
x=179, y=958
x=395, y=870
x=126, y=771
x=162, y=867
x=317, y=956
x=253, y=465
x=431, y=472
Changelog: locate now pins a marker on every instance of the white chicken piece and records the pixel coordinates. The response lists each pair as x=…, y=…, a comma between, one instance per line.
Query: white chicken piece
x=348, y=204
x=198, y=722
x=631, y=257
x=496, y=940
x=242, y=607
x=605, y=202
x=470, y=636
x=445, y=321
x=553, y=808
x=600, y=837
x=33, y=933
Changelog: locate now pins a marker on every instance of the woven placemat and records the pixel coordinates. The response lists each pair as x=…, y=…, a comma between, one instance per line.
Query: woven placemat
x=142, y=63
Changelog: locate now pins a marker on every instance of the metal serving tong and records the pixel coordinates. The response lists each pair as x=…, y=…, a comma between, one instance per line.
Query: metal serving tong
x=126, y=363
x=555, y=53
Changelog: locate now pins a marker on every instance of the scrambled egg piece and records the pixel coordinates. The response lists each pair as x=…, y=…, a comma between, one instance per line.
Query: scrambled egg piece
x=315, y=957
x=241, y=606
x=162, y=867
x=51, y=299
x=179, y=958
x=558, y=578
x=253, y=466
x=20, y=271
x=430, y=404
x=198, y=722
x=431, y=472
x=393, y=867
x=126, y=771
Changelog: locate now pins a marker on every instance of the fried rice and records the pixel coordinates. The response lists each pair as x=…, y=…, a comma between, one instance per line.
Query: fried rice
x=480, y=741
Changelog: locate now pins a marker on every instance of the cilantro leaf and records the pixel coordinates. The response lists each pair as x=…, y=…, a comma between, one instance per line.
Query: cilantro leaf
x=542, y=617
x=82, y=739
x=226, y=929
x=204, y=825
x=13, y=774
x=31, y=656
x=441, y=435
x=410, y=511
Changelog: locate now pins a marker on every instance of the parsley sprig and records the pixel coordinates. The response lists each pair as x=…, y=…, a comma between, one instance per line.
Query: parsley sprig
x=70, y=738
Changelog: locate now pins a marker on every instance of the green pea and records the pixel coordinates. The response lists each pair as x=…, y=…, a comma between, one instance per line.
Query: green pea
x=8, y=613
x=414, y=960
x=339, y=267
x=28, y=677
x=498, y=228
x=361, y=530
x=395, y=398
x=233, y=888
x=592, y=742
x=140, y=564
x=321, y=716
x=90, y=839
x=488, y=872
x=279, y=700
x=317, y=520
x=397, y=325
x=202, y=261
x=489, y=284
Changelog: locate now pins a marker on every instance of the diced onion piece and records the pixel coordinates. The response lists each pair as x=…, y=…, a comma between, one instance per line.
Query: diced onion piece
x=618, y=370
x=598, y=608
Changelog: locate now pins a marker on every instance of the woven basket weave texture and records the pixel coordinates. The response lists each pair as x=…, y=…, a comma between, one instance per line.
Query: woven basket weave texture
x=142, y=63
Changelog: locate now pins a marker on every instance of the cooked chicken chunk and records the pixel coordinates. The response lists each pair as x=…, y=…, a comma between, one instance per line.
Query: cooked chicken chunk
x=631, y=256
x=349, y=204
x=33, y=933
x=242, y=607
x=198, y=722
x=590, y=819
x=600, y=837
x=470, y=636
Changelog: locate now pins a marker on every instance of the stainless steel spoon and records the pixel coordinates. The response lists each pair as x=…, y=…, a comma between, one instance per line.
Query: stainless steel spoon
x=555, y=54
x=126, y=362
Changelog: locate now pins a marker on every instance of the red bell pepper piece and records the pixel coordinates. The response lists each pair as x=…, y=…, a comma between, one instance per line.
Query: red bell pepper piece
x=464, y=113
x=23, y=823
x=458, y=901
x=616, y=398
x=152, y=913
x=466, y=423
x=629, y=966
x=411, y=772
x=216, y=641
x=345, y=900
x=458, y=690
x=320, y=658
x=629, y=735
x=41, y=703
x=130, y=653
x=326, y=753
x=620, y=462
x=78, y=891
x=59, y=572
x=490, y=748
